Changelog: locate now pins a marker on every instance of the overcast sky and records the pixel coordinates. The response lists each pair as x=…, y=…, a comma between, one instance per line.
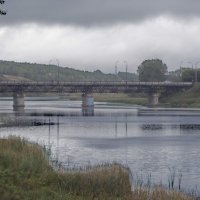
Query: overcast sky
x=95, y=34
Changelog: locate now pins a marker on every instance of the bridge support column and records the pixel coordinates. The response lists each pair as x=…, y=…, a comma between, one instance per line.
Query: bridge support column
x=18, y=102
x=87, y=104
x=153, y=99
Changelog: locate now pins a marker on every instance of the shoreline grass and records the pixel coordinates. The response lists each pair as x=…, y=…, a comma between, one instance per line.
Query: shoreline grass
x=189, y=98
x=25, y=174
x=133, y=99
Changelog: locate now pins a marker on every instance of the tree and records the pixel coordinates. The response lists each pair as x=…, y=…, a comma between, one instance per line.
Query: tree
x=190, y=75
x=1, y=11
x=152, y=70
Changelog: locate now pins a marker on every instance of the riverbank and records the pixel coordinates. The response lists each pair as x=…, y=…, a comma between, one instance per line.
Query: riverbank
x=181, y=99
x=25, y=173
x=186, y=99
x=134, y=99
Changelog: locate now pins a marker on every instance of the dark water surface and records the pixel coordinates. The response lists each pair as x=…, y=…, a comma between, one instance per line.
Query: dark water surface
x=155, y=145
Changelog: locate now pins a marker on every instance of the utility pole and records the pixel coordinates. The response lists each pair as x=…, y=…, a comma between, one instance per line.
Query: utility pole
x=196, y=71
x=126, y=70
x=49, y=70
x=193, y=71
x=58, y=70
x=181, y=70
x=116, y=67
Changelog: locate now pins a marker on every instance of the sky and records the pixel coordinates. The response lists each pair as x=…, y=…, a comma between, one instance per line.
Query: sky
x=101, y=34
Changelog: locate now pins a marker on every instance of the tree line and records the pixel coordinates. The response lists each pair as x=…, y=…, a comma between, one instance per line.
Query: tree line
x=42, y=72
x=152, y=70
x=155, y=70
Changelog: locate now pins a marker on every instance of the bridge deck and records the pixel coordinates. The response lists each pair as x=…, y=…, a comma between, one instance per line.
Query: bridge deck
x=90, y=86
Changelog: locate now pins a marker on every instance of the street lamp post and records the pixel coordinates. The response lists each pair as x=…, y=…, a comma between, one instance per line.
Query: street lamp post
x=126, y=70
x=58, y=69
x=181, y=70
x=49, y=70
x=116, y=67
x=193, y=71
x=196, y=72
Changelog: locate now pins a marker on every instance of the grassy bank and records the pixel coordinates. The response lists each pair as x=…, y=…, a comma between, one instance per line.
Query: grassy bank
x=187, y=99
x=159, y=194
x=25, y=174
x=134, y=99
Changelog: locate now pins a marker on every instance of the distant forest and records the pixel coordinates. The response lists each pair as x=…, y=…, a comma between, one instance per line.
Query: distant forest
x=42, y=72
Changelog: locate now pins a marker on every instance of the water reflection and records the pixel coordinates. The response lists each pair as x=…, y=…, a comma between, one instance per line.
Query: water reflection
x=58, y=135
x=151, y=126
x=115, y=133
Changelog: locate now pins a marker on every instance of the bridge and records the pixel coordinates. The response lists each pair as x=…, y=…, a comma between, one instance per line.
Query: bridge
x=153, y=89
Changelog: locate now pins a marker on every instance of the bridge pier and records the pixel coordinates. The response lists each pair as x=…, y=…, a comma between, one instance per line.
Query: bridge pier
x=153, y=99
x=18, y=102
x=87, y=104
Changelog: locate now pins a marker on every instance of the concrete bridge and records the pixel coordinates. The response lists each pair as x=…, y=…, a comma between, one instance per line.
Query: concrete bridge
x=153, y=89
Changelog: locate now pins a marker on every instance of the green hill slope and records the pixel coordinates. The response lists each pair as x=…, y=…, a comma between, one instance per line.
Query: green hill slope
x=42, y=72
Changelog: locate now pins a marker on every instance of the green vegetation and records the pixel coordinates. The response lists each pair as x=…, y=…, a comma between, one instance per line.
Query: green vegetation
x=25, y=174
x=138, y=99
x=41, y=72
x=188, y=98
x=174, y=76
x=134, y=99
x=152, y=70
x=149, y=70
x=185, y=74
x=158, y=194
x=190, y=75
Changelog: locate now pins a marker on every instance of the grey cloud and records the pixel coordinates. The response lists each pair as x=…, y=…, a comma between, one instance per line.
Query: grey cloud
x=94, y=12
x=100, y=48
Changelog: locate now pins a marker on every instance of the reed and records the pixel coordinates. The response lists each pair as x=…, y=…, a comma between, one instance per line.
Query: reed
x=25, y=174
x=158, y=194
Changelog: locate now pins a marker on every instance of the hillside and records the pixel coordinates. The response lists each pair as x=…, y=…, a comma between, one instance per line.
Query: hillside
x=42, y=72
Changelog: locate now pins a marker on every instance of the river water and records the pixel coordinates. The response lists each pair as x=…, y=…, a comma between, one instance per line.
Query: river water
x=156, y=146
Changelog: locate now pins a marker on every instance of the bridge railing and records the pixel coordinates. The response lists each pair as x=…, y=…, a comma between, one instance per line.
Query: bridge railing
x=117, y=83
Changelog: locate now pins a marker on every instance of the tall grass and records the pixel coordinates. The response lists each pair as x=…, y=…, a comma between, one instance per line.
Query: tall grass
x=158, y=194
x=25, y=174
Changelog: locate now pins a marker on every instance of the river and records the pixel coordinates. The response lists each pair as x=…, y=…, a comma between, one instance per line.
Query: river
x=155, y=146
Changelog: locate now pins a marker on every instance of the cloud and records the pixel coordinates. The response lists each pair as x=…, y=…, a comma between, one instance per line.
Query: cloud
x=95, y=12
x=100, y=47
